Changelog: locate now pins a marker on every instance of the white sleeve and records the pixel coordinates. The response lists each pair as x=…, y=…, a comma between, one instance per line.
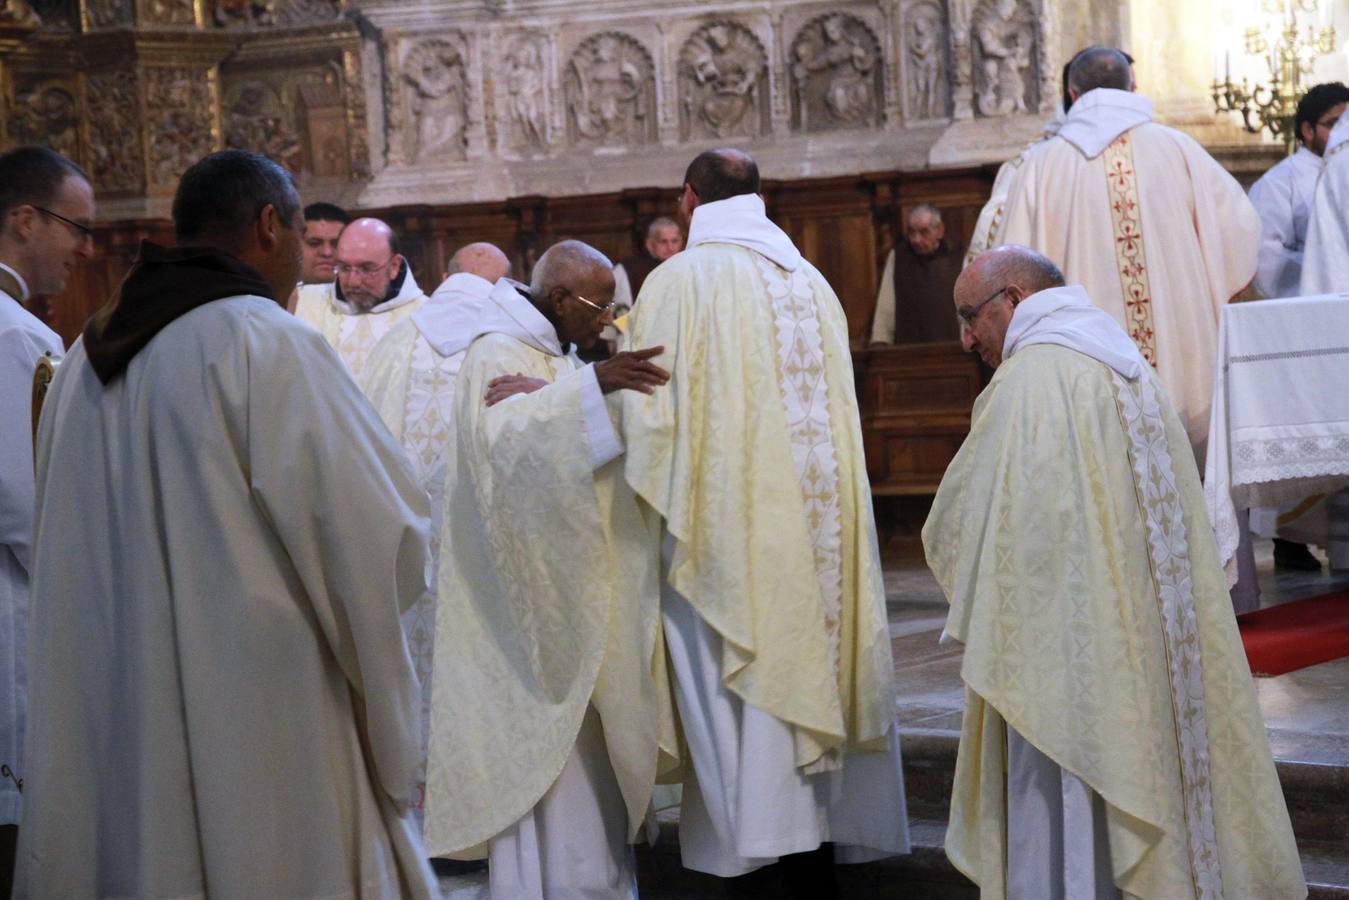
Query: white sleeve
x=605, y=443
x=1279, y=262
x=883, y=324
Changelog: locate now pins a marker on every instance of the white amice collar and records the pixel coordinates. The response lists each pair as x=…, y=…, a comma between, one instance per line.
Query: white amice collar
x=449, y=315
x=507, y=311
x=1067, y=317
x=743, y=220
x=24, y=292
x=1101, y=115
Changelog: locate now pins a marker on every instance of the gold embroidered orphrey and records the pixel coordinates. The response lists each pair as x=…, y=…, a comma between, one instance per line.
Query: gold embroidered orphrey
x=1168, y=552
x=1122, y=187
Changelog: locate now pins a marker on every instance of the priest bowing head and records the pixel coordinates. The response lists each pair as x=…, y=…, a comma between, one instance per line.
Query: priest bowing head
x=988, y=291
x=1099, y=67
x=573, y=286
x=482, y=259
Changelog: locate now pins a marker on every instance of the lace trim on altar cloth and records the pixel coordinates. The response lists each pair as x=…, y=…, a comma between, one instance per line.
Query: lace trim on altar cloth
x=1293, y=459
x=1159, y=497
x=1122, y=188
x=1288, y=354
x=805, y=397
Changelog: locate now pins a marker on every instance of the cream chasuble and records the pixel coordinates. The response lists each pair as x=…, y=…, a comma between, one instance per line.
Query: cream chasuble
x=354, y=335
x=989, y=224
x=222, y=699
x=758, y=429
x=1326, y=265
x=1158, y=232
x=548, y=596
x=1070, y=538
x=409, y=378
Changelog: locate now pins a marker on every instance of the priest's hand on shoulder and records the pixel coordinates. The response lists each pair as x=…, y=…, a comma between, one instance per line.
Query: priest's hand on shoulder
x=504, y=386
x=630, y=370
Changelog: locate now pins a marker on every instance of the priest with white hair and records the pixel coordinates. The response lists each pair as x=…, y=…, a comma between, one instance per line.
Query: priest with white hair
x=409, y=379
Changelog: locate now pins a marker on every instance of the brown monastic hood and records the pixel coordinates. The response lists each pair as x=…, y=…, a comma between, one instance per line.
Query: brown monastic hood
x=163, y=284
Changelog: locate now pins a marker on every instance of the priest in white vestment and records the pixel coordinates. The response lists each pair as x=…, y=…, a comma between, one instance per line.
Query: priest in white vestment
x=1155, y=229
x=1283, y=195
x=409, y=379
x=1101, y=658
x=1326, y=267
x=771, y=589
x=222, y=701
x=989, y=224
x=374, y=291
x=550, y=711
x=44, y=234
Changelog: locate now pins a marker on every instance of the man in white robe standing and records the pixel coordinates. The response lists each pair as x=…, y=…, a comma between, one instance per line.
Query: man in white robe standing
x=771, y=593
x=46, y=218
x=374, y=291
x=1111, y=739
x=547, y=724
x=222, y=700
x=409, y=379
x=1158, y=232
x=1326, y=265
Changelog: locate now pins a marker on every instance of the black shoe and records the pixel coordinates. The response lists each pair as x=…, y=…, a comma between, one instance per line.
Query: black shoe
x=1294, y=557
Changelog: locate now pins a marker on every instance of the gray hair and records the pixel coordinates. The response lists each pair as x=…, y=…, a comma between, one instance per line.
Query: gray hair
x=562, y=263
x=926, y=209
x=660, y=222
x=1022, y=266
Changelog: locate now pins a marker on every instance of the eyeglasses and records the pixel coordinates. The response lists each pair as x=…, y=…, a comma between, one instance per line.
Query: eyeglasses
x=84, y=231
x=591, y=303
x=967, y=316
x=365, y=270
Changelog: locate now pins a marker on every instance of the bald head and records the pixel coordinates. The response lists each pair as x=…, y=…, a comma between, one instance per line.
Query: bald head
x=368, y=264
x=990, y=287
x=482, y=259
x=721, y=174
x=570, y=281
x=1099, y=67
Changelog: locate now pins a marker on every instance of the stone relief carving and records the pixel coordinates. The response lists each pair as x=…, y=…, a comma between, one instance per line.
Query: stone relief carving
x=241, y=13
x=108, y=13
x=322, y=114
x=46, y=114
x=610, y=90
x=435, y=98
x=836, y=74
x=1003, y=40
x=723, y=83
x=526, y=105
x=169, y=12
x=255, y=119
x=178, y=117
x=114, y=136
x=19, y=12
x=925, y=56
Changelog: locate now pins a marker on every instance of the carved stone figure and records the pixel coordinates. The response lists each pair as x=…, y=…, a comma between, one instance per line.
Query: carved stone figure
x=114, y=139
x=927, y=57
x=433, y=75
x=610, y=91
x=723, y=73
x=836, y=74
x=1004, y=45
x=256, y=121
x=178, y=113
x=46, y=115
x=525, y=92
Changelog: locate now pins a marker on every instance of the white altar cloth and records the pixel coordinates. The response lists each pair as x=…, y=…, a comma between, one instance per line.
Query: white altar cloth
x=1279, y=426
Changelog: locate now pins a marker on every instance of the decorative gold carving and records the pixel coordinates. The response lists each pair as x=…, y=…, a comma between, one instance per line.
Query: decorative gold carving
x=114, y=138
x=168, y=12
x=1004, y=42
x=108, y=13
x=610, y=89
x=527, y=95
x=358, y=135
x=925, y=56
x=243, y=13
x=256, y=120
x=19, y=12
x=836, y=74
x=723, y=83
x=179, y=115
x=48, y=114
x=432, y=101
x=324, y=124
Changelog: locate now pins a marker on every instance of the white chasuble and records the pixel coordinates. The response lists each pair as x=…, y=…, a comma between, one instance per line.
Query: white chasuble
x=548, y=600
x=1156, y=230
x=1326, y=264
x=354, y=335
x=1069, y=536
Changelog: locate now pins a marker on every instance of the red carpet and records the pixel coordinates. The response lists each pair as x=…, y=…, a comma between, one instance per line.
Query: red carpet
x=1295, y=635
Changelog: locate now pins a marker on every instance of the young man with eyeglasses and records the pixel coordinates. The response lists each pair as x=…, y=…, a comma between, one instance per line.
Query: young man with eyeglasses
x=1111, y=742
x=374, y=291
x=46, y=230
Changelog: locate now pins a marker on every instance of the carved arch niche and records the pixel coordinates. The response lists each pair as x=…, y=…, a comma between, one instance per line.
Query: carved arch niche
x=610, y=89
x=925, y=60
x=723, y=83
x=523, y=106
x=429, y=121
x=837, y=75
x=1007, y=48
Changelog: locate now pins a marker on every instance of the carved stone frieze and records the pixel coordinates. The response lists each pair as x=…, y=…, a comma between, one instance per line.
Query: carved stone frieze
x=723, y=83
x=46, y=113
x=836, y=74
x=179, y=119
x=269, y=13
x=524, y=95
x=256, y=119
x=429, y=122
x=610, y=89
x=115, y=148
x=1004, y=40
x=927, y=94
